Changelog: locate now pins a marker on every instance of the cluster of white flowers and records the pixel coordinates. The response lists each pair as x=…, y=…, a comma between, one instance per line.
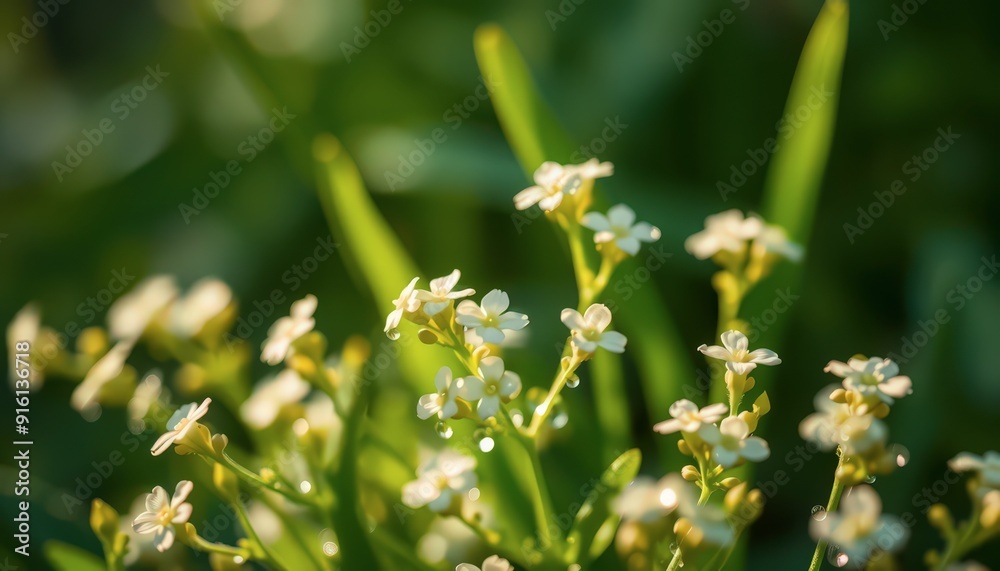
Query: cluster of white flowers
x=731, y=234
x=443, y=478
x=859, y=529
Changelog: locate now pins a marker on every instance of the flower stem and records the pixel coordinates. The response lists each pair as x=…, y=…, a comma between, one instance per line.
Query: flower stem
x=831, y=506
x=543, y=410
x=262, y=552
x=541, y=499
x=959, y=545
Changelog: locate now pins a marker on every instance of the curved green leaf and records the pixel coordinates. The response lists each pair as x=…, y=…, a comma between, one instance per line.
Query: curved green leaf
x=596, y=523
x=66, y=557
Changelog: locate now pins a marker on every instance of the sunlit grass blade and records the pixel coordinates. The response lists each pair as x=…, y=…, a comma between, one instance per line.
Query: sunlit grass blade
x=595, y=523
x=535, y=136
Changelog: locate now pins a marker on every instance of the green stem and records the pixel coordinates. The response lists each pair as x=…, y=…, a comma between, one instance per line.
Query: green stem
x=960, y=545
x=541, y=499
x=543, y=410
x=256, y=480
x=265, y=555
x=831, y=506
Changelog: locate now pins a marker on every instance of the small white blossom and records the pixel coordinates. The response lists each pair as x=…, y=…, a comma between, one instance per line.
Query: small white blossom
x=270, y=396
x=619, y=227
x=277, y=347
x=439, y=479
x=180, y=424
x=490, y=319
x=647, y=500
x=731, y=442
x=24, y=327
x=493, y=384
x=734, y=352
x=859, y=527
x=132, y=313
x=727, y=231
x=441, y=294
x=441, y=403
x=687, y=417
x=837, y=424
x=206, y=299
x=108, y=368
x=407, y=302
x=988, y=466
x=492, y=563
x=874, y=377
x=774, y=240
x=553, y=182
x=588, y=330
x=163, y=513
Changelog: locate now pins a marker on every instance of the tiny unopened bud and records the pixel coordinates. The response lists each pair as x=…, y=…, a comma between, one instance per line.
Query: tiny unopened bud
x=268, y=475
x=839, y=395
x=734, y=497
x=729, y=483
x=940, y=517
x=690, y=473
x=881, y=411
x=682, y=445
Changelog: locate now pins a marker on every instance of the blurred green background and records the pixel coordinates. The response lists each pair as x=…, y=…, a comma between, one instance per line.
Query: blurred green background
x=597, y=64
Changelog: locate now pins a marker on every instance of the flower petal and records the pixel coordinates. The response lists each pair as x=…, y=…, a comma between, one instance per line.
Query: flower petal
x=529, y=197
x=735, y=340
x=897, y=387
x=715, y=352
x=613, y=341
x=488, y=406
x=495, y=302
x=621, y=216
x=734, y=426
x=427, y=406
x=764, y=357
x=595, y=221
x=668, y=426
x=181, y=492
x=164, y=538
x=513, y=321
x=470, y=388
x=628, y=245
x=755, y=449
x=598, y=316
x=510, y=384
x=571, y=318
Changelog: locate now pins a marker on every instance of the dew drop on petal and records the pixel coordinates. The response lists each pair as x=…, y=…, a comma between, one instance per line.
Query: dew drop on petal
x=560, y=420
x=836, y=556
x=486, y=444
x=902, y=454
x=818, y=513
x=330, y=549
x=443, y=430
x=870, y=479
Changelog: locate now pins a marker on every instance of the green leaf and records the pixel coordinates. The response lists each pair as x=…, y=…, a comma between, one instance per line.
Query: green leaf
x=66, y=557
x=535, y=136
x=596, y=523
x=370, y=247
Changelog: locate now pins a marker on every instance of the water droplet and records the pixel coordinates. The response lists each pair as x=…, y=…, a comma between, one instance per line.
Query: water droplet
x=818, y=513
x=474, y=494
x=486, y=444
x=840, y=451
x=870, y=479
x=305, y=486
x=573, y=382
x=902, y=454
x=443, y=430
x=517, y=417
x=330, y=549
x=673, y=548
x=836, y=556
x=238, y=559
x=560, y=420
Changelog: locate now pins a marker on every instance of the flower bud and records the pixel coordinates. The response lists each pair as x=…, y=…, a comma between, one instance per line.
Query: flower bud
x=92, y=341
x=940, y=517
x=268, y=475
x=683, y=446
x=839, y=396
x=729, y=483
x=690, y=473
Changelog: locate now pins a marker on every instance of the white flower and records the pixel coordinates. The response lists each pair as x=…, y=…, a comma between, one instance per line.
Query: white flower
x=438, y=479
x=108, y=368
x=734, y=352
x=619, y=227
x=836, y=424
x=773, y=239
x=163, y=513
x=491, y=318
x=206, y=299
x=440, y=294
x=554, y=181
x=24, y=327
x=407, y=302
x=859, y=528
x=441, y=403
x=180, y=424
x=270, y=396
x=647, y=500
x=687, y=417
x=492, y=563
x=493, y=384
x=988, y=466
x=874, y=377
x=129, y=316
x=709, y=519
x=731, y=442
x=285, y=331
x=727, y=231
x=588, y=330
